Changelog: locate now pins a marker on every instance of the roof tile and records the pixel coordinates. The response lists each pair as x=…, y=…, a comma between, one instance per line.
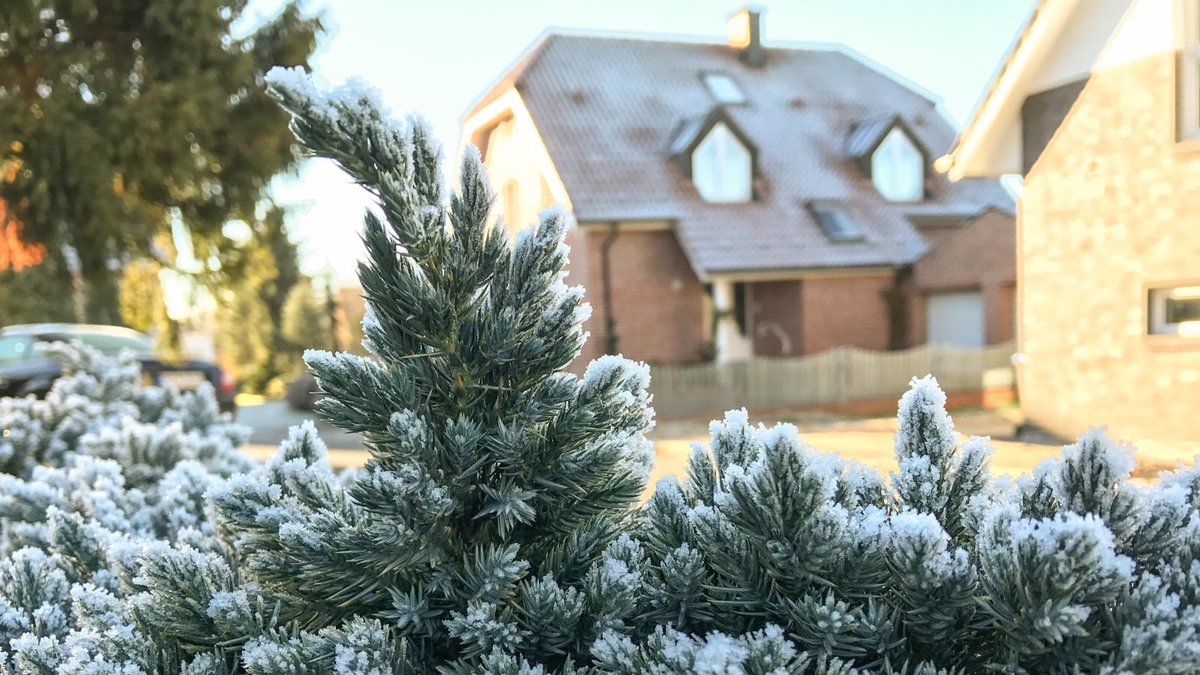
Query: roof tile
x=608, y=109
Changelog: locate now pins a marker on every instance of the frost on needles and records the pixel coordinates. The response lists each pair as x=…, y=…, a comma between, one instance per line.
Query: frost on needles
x=498, y=526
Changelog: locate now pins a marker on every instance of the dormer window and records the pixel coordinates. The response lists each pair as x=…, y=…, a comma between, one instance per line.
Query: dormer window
x=722, y=168
x=898, y=168
x=716, y=156
x=890, y=155
x=724, y=89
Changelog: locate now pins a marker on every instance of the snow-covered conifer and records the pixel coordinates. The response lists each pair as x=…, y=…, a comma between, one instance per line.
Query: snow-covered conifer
x=496, y=478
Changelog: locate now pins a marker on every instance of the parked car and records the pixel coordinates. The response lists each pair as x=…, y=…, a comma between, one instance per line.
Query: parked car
x=24, y=371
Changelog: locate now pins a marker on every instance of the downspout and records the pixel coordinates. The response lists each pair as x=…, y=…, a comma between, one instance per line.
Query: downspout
x=611, y=340
x=897, y=298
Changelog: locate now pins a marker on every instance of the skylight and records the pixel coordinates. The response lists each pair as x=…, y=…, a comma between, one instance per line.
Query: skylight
x=837, y=223
x=723, y=88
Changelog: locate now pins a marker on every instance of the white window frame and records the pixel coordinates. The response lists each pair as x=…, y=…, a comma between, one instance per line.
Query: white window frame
x=889, y=161
x=1187, y=90
x=721, y=182
x=1157, y=305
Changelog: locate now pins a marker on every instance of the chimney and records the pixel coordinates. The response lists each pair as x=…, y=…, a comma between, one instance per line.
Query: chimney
x=745, y=35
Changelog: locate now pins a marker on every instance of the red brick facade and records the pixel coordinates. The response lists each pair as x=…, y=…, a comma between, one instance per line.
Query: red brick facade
x=658, y=303
x=662, y=312
x=845, y=311
x=979, y=256
x=777, y=312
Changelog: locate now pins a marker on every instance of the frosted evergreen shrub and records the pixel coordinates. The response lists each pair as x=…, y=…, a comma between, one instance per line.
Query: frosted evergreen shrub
x=99, y=466
x=498, y=525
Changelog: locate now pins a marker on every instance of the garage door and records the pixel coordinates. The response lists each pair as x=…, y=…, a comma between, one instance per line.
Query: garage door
x=955, y=319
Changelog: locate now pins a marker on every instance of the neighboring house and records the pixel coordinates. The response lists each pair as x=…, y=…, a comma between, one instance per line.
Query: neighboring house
x=732, y=199
x=1098, y=105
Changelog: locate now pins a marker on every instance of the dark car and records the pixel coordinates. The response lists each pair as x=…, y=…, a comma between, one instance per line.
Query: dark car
x=24, y=371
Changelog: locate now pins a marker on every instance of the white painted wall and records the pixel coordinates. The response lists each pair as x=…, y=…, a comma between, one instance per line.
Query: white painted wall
x=517, y=153
x=730, y=344
x=1082, y=36
x=1147, y=28
x=509, y=158
x=1078, y=45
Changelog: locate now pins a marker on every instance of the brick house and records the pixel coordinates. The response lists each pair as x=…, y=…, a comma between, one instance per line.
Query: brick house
x=731, y=199
x=1098, y=105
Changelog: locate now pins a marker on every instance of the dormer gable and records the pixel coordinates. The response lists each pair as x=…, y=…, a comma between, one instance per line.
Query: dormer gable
x=888, y=152
x=714, y=153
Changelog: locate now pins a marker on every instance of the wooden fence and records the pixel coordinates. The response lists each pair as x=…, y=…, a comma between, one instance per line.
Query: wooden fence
x=838, y=376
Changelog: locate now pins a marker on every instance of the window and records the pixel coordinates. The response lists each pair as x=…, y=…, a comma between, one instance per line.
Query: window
x=1187, y=108
x=837, y=224
x=898, y=169
x=512, y=204
x=722, y=167
x=111, y=344
x=1175, y=311
x=15, y=348
x=723, y=88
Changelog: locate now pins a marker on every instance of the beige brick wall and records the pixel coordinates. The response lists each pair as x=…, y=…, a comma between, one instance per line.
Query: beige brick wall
x=657, y=300
x=1111, y=207
x=845, y=311
x=981, y=256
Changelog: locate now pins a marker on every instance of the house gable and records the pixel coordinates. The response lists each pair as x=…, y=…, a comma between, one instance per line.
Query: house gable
x=1061, y=44
x=509, y=142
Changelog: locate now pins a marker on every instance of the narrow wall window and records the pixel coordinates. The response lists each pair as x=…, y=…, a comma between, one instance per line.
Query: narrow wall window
x=512, y=205
x=1174, y=311
x=1187, y=106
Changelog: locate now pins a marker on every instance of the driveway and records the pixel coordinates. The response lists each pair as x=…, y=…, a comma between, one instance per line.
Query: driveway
x=868, y=440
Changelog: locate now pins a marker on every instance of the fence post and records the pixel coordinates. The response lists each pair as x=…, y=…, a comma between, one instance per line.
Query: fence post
x=843, y=374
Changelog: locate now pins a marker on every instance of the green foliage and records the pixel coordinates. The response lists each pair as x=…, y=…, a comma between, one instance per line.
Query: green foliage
x=251, y=314
x=483, y=449
x=307, y=321
x=118, y=117
x=39, y=293
x=141, y=303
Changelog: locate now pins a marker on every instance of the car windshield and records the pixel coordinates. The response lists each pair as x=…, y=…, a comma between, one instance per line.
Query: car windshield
x=111, y=344
x=15, y=348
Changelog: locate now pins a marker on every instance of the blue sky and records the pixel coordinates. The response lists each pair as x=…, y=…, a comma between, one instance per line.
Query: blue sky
x=435, y=56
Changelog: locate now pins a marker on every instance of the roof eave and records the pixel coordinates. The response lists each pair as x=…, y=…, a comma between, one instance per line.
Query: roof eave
x=971, y=152
x=509, y=76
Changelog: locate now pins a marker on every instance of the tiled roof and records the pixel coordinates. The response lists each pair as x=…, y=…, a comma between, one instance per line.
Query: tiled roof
x=608, y=110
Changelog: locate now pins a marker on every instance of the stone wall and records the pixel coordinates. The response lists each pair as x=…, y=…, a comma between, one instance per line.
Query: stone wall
x=1111, y=208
